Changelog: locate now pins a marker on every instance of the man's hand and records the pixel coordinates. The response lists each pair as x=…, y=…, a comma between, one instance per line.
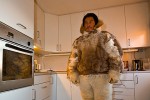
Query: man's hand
x=74, y=78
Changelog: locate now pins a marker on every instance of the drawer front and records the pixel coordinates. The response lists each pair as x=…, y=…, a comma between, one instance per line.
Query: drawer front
x=126, y=76
x=122, y=97
x=42, y=78
x=124, y=84
x=42, y=91
x=123, y=91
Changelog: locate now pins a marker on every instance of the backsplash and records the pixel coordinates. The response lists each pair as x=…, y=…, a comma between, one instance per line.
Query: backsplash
x=56, y=63
x=59, y=62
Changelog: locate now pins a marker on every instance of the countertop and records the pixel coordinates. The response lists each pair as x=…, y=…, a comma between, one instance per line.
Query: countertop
x=64, y=72
x=49, y=73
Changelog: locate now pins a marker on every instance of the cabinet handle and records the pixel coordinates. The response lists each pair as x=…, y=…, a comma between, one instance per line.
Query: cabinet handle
x=21, y=26
x=136, y=79
x=128, y=42
x=57, y=47
x=60, y=47
x=118, y=91
x=38, y=34
x=44, y=87
x=34, y=94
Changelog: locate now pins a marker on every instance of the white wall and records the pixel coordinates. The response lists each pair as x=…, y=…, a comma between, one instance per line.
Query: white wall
x=56, y=63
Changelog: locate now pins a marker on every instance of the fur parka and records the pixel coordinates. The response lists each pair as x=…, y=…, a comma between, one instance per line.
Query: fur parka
x=93, y=53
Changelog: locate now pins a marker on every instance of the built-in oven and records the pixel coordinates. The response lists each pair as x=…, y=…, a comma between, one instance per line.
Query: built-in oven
x=16, y=59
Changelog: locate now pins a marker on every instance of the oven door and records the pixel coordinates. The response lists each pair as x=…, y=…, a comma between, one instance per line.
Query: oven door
x=16, y=66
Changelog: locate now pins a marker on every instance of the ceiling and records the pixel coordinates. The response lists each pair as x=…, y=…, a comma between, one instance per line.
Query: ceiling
x=61, y=7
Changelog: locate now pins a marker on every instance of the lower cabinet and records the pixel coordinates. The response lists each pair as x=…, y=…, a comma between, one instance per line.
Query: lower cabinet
x=63, y=87
x=142, y=86
x=17, y=94
x=124, y=89
x=131, y=86
x=42, y=87
x=76, y=94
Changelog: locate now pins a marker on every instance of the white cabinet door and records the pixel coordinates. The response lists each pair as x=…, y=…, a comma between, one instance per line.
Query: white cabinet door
x=76, y=94
x=17, y=94
x=63, y=87
x=51, y=32
x=19, y=14
x=137, y=24
x=42, y=91
x=64, y=33
x=39, y=21
x=53, y=92
x=76, y=21
x=142, y=86
x=114, y=22
x=42, y=88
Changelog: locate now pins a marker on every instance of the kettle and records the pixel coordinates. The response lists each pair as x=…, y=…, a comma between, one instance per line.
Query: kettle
x=137, y=65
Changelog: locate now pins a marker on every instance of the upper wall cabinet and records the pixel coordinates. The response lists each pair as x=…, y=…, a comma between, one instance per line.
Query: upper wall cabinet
x=137, y=24
x=39, y=31
x=51, y=32
x=57, y=33
x=114, y=22
x=76, y=21
x=19, y=14
x=64, y=33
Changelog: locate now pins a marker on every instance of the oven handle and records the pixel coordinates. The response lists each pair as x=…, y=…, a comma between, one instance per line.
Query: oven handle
x=17, y=48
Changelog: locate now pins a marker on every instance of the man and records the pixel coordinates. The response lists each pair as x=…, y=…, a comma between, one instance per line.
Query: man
x=95, y=61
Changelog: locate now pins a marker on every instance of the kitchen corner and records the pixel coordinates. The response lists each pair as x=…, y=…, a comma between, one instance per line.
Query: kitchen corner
x=53, y=34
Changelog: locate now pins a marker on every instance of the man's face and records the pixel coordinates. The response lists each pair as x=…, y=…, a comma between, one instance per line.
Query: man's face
x=89, y=24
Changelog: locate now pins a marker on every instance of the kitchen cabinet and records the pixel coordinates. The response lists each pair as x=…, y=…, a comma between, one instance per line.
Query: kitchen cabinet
x=51, y=32
x=64, y=33
x=137, y=24
x=39, y=31
x=142, y=86
x=18, y=14
x=63, y=87
x=114, y=22
x=76, y=94
x=53, y=93
x=76, y=21
x=42, y=87
x=124, y=89
x=17, y=94
x=57, y=33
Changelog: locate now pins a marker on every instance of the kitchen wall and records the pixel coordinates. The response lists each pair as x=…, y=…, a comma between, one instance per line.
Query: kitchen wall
x=56, y=63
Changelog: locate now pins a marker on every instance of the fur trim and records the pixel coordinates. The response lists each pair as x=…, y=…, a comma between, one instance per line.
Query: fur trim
x=74, y=78
x=114, y=76
x=99, y=24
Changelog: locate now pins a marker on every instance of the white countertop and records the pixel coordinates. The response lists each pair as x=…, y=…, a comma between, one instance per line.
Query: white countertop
x=64, y=72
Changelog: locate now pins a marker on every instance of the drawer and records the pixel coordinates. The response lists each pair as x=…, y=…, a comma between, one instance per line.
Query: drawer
x=42, y=91
x=127, y=76
x=123, y=91
x=122, y=97
x=42, y=78
x=124, y=84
